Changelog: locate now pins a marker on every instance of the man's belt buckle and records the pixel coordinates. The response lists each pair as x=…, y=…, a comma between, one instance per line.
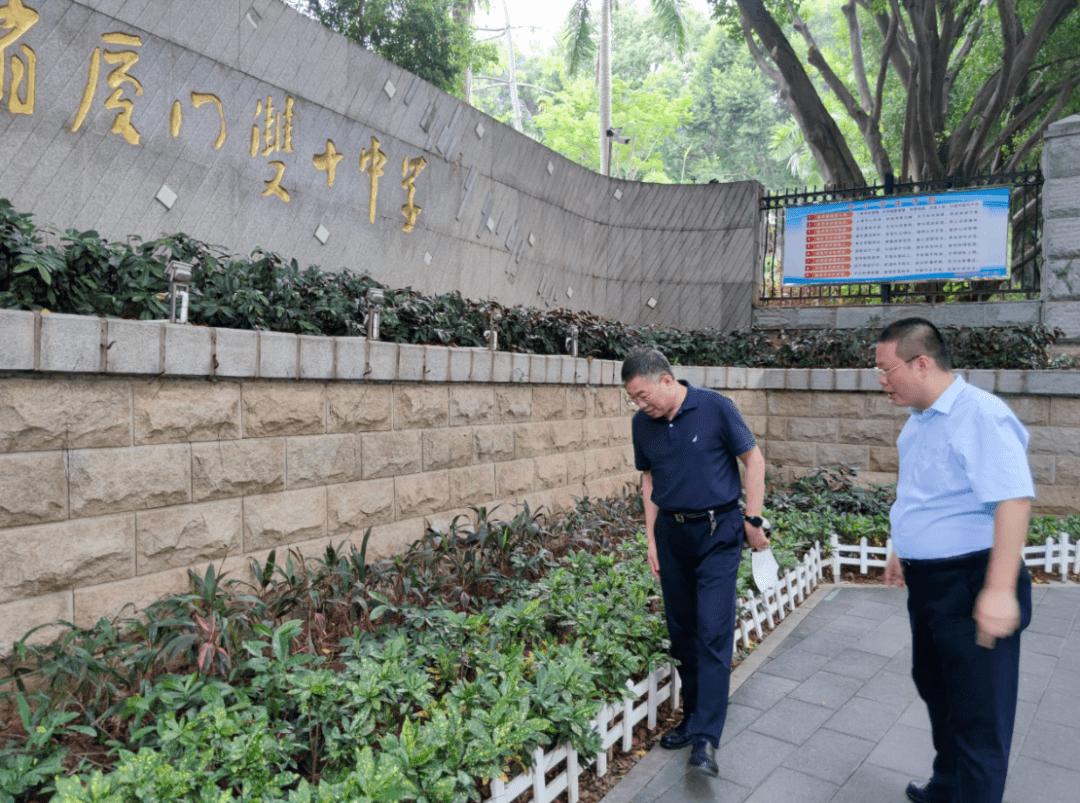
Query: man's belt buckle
x=679, y=517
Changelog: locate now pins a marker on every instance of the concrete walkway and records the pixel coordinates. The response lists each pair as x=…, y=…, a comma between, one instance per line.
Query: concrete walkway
x=825, y=711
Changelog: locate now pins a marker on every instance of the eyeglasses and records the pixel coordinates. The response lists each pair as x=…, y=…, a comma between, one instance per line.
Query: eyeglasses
x=643, y=396
x=886, y=371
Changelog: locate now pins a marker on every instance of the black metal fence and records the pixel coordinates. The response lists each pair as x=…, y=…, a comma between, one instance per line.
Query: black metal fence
x=1025, y=247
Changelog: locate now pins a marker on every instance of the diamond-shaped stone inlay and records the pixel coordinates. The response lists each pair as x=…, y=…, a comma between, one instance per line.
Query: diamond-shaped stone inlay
x=322, y=234
x=253, y=17
x=389, y=89
x=651, y=303
x=551, y=168
x=480, y=130
x=490, y=224
x=532, y=239
x=166, y=196
x=618, y=195
x=569, y=292
x=427, y=257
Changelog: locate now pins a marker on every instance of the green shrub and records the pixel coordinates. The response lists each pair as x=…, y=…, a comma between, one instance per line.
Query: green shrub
x=86, y=275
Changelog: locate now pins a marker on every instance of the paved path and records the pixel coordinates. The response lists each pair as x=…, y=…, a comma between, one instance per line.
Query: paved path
x=827, y=712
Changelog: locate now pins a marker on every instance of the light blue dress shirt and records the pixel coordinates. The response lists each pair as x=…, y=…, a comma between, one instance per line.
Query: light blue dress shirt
x=958, y=459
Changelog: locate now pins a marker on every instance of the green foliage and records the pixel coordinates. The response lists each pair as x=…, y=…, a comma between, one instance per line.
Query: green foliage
x=88, y=275
x=429, y=38
x=468, y=652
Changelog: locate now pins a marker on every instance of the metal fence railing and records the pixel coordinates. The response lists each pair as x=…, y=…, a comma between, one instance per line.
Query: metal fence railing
x=1025, y=246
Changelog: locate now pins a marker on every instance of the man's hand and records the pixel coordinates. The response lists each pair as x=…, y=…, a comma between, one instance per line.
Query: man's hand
x=997, y=615
x=894, y=575
x=654, y=561
x=756, y=537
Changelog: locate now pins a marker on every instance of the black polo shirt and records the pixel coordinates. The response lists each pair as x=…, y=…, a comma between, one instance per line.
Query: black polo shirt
x=692, y=457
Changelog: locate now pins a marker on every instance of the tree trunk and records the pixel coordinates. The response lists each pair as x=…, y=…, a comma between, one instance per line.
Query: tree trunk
x=822, y=135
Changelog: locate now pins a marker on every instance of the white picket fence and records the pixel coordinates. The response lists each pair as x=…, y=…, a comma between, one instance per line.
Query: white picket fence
x=1057, y=556
x=615, y=722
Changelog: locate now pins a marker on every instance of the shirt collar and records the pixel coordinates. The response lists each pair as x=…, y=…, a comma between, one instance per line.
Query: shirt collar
x=691, y=400
x=944, y=403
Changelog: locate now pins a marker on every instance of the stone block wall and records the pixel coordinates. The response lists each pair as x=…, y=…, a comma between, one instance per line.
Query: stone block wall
x=1061, y=241
x=133, y=451
x=112, y=487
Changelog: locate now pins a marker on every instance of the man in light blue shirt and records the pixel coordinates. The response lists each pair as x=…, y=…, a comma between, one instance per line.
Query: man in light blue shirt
x=963, y=497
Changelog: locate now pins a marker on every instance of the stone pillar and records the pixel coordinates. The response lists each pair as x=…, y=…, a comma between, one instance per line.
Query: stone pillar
x=1061, y=233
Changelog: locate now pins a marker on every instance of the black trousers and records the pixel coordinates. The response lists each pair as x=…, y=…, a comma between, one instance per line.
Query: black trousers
x=970, y=691
x=699, y=567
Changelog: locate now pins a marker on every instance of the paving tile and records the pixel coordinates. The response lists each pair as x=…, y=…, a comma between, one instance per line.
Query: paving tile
x=906, y=750
x=1064, y=680
x=826, y=689
x=1059, y=707
x=827, y=642
x=750, y=757
x=792, y=640
x=900, y=663
x=786, y=785
x=1055, y=744
x=856, y=664
x=791, y=720
x=899, y=625
x=890, y=687
x=812, y=624
x=830, y=755
x=865, y=718
x=762, y=691
x=1059, y=606
x=797, y=664
x=882, y=643
x=852, y=625
x=916, y=716
x=1043, y=643
x=1033, y=780
x=830, y=610
x=1025, y=715
x=873, y=784
x=878, y=611
x=692, y=786
x=1051, y=625
x=738, y=717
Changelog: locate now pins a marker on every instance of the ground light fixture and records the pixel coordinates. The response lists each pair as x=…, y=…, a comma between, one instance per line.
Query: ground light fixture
x=179, y=276
x=376, y=300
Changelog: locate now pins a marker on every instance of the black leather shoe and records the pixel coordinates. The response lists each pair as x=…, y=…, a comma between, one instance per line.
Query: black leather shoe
x=678, y=737
x=703, y=758
x=927, y=793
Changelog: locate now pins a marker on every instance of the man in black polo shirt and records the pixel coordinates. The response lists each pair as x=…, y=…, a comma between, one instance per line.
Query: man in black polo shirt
x=686, y=442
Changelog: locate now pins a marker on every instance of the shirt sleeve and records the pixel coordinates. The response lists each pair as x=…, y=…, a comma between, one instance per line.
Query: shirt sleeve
x=641, y=460
x=734, y=431
x=993, y=447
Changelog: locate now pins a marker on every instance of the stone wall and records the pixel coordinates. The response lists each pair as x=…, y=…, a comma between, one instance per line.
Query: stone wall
x=113, y=485
x=252, y=126
x=1061, y=241
x=131, y=451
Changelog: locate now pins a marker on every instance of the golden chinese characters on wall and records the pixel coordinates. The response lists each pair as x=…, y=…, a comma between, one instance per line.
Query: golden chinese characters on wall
x=273, y=126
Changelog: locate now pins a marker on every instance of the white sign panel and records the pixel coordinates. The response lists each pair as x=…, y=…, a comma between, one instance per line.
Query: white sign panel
x=954, y=235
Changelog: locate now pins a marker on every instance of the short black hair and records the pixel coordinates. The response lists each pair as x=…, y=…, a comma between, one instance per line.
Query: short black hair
x=646, y=362
x=914, y=337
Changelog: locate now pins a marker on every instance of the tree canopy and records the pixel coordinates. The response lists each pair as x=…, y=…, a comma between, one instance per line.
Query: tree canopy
x=935, y=87
x=430, y=38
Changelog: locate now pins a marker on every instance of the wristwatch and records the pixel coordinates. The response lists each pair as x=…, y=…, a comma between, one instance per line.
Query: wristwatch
x=755, y=521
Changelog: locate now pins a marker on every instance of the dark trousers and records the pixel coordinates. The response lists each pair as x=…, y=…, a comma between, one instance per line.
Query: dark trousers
x=970, y=691
x=699, y=565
